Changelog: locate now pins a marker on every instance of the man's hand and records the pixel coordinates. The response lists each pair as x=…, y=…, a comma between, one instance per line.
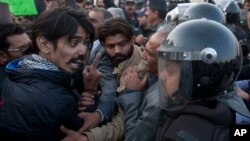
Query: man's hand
x=91, y=120
x=87, y=99
x=72, y=135
x=132, y=80
x=141, y=40
x=244, y=95
x=91, y=76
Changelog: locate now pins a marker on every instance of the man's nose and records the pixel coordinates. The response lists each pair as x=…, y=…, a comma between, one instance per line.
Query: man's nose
x=117, y=49
x=82, y=50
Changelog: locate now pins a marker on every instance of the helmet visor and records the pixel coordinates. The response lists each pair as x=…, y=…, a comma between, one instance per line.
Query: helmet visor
x=175, y=81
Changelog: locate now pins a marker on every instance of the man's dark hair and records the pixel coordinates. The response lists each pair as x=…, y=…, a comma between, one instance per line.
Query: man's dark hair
x=88, y=2
x=161, y=12
x=7, y=30
x=115, y=26
x=61, y=22
x=105, y=12
x=160, y=6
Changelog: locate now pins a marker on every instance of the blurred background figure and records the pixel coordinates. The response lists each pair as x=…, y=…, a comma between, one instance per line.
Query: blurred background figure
x=246, y=5
x=14, y=43
x=129, y=11
x=156, y=12
x=52, y=4
x=100, y=4
x=116, y=12
x=144, y=26
x=87, y=6
x=5, y=16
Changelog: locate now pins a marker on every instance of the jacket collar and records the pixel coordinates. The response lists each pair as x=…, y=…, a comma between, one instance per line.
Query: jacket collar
x=18, y=74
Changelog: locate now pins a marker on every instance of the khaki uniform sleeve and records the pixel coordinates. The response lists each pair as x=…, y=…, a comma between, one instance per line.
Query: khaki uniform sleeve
x=112, y=131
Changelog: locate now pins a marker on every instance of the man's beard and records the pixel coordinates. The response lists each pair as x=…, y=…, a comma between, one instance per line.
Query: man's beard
x=118, y=58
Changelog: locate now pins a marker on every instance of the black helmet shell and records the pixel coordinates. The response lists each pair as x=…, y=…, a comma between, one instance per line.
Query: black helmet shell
x=214, y=52
x=204, y=10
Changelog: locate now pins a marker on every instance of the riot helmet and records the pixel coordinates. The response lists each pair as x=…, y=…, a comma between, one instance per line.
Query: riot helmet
x=232, y=12
x=204, y=10
x=199, y=60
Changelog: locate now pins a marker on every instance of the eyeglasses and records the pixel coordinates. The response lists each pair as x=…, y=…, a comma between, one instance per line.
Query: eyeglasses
x=20, y=49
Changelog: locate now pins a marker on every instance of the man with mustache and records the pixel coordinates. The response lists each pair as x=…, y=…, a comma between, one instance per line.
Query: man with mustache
x=38, y=96
x=140, y=101
x=129, y=11
x=116, y=36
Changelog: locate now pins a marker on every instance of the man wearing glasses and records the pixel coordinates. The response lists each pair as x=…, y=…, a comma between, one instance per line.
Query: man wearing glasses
x=14, y=43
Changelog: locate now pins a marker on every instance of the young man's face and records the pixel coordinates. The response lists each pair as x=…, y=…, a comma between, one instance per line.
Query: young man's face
x=19, y=43
x=118, y=47
x=170, y=76
x=69, y=53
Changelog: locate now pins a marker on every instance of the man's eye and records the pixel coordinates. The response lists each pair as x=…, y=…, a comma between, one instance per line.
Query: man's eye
x=123, y=43
x=87, y=43
x=73, y=43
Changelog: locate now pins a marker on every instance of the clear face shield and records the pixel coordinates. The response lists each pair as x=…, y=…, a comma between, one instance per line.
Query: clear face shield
x=175, y=79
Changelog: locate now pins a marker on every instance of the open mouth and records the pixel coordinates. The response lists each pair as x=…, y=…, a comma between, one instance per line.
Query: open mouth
x=77, y=63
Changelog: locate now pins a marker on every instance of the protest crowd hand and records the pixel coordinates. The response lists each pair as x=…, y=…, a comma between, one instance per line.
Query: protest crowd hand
x=72, y=135
x=243, y=94
x=132, y=80
x=87, y=99
x=91, y=76
x=91, y=120
x=141, y=40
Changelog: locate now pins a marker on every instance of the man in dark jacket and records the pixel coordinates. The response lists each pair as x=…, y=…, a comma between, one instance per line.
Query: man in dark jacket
x=37, y=97
x=14, y=43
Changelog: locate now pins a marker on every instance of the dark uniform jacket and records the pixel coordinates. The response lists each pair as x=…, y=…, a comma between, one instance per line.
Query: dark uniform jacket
x=196, y=123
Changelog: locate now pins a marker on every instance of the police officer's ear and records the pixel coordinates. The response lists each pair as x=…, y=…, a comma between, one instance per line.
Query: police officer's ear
x=3, y=57
x=44, y=45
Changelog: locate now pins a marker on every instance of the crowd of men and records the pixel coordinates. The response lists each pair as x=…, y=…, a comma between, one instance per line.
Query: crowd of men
x=133, y=70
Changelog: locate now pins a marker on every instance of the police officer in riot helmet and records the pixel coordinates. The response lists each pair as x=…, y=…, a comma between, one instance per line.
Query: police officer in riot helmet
x=171, y=4
x=230, y=19
x=204, y=10
x=232, y=14
x=198, y=63
x=236, y=25
x=198, y=11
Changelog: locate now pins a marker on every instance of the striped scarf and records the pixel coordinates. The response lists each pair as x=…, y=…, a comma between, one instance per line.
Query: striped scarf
x=35, y=61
